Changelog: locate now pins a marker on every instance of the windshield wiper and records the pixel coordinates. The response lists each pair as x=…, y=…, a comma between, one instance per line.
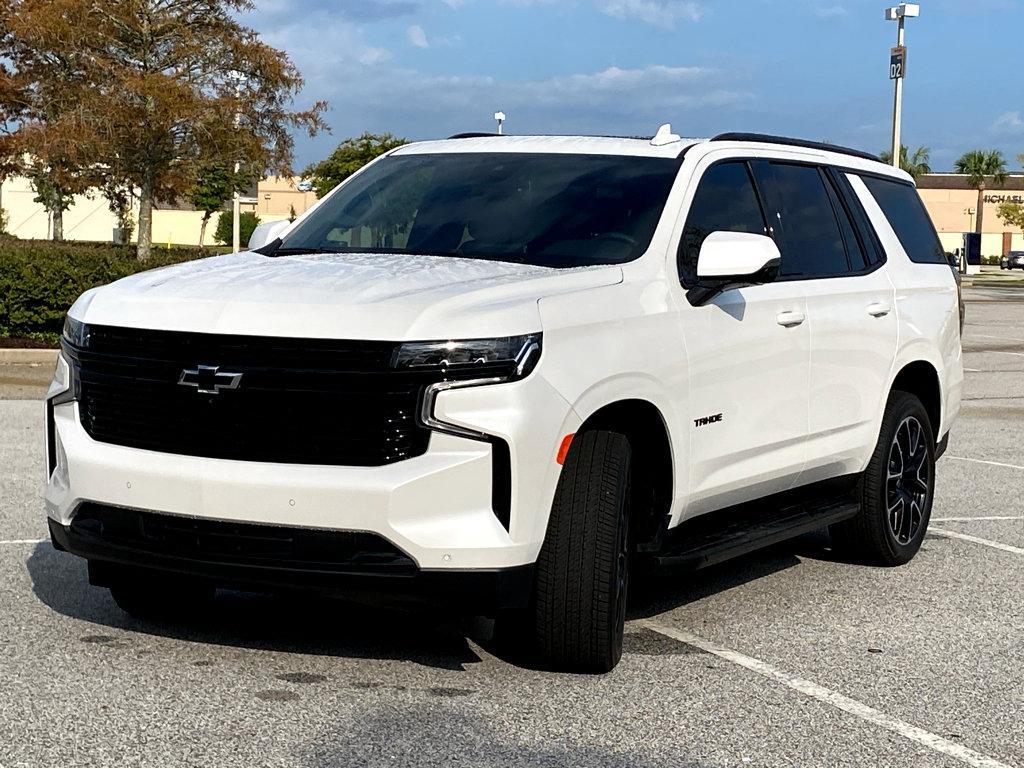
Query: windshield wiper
x=301, y=251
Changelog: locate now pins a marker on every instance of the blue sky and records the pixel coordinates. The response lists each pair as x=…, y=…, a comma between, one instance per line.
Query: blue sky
x=430, y=68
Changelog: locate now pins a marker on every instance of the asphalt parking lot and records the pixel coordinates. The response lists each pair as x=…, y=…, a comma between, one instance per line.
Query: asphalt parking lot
x=786, y=657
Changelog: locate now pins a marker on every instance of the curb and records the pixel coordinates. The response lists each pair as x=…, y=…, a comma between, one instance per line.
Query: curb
x=28, y=356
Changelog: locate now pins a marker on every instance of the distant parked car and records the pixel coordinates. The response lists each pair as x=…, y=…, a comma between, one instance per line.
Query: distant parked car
x=1012, y=261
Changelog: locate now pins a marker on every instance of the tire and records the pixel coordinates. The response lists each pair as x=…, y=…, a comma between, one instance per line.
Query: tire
x=583, y=568
x=896, y=493
x=156, y=596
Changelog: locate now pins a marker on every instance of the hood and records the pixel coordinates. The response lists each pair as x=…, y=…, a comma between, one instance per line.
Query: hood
x=358, y=296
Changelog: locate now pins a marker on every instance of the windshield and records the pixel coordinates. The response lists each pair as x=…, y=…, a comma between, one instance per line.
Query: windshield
x=542, y=209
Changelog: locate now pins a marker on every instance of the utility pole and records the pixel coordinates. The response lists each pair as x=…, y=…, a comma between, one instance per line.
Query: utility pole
x=898, y=70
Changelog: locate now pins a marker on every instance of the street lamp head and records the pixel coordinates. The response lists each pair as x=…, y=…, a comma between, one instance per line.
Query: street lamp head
x=903, y=11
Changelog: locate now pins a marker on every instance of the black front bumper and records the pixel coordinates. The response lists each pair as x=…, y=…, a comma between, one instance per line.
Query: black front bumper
x=354, y=565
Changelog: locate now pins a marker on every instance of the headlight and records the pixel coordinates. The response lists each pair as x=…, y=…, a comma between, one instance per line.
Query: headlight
x=76, y=333
x=466, y=363
x=74, y=338
x=505, y=358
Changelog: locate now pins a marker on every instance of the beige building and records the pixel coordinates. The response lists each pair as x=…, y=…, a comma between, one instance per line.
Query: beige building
x=952, y=205
x=89, y=218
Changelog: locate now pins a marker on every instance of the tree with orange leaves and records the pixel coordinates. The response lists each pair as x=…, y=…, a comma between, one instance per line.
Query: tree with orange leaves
x=149, y=92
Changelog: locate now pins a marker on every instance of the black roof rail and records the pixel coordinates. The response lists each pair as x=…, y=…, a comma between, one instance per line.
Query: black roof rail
x=769, y=139
x=474, y=135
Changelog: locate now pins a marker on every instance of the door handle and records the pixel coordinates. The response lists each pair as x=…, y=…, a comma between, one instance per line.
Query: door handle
x=790, y=318
x=878, y=309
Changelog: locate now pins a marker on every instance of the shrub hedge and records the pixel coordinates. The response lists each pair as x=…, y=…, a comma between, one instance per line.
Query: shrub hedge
x=39, y=280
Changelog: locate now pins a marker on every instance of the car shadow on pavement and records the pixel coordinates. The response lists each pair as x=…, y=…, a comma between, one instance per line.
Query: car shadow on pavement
x=315, y=625
x=406, y=734
x=286, y=623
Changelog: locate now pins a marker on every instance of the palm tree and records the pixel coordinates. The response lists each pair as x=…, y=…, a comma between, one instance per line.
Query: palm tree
x=916, y=165
x=979, y=166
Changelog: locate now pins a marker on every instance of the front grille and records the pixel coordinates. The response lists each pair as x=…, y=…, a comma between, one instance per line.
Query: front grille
x=305, y=401
x=243, y=544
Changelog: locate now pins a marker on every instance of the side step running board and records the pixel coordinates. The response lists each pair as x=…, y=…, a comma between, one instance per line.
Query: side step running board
x=716, y=537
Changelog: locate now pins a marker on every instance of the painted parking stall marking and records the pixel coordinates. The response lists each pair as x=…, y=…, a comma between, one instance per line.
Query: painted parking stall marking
x=979, y=518
x=960, y=753
x=983, y=462
x=946, y=533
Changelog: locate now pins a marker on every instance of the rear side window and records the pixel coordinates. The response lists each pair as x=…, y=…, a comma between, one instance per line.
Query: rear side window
x=725, y=201
x=813, y=244
x=906, y=213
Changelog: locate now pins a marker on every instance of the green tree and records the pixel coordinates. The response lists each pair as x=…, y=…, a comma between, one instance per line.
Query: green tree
x=224, y=233
x=151, y=91
x=1012, y=214
x=979, y=166
x=347, y=158
x=215, y=184
x=916, y=164
x=119, y=198
x=55, y=198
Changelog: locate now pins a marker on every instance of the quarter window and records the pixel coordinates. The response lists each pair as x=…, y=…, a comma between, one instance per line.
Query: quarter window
x=725, y=201
x=906, y=213
x=854, y=250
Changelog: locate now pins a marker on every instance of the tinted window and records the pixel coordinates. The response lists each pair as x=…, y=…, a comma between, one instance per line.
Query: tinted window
x=812, y=240
x=909, y=219
x=854, y=251
x=869, y=238
x=725, y=201
x=553, y=210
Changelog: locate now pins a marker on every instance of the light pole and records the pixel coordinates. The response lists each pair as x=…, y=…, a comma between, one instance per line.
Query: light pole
x=500, y=117
x=236, y=201
x=897, y=71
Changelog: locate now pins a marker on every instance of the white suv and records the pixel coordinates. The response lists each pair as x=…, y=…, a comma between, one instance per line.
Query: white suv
x=498, y=373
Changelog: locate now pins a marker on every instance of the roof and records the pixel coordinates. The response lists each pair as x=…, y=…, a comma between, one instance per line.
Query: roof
x=959, y=182
x=579, y=145
x=629, y=146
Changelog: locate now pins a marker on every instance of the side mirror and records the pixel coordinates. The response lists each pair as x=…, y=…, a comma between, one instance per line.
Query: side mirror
x=267, y=232
x=733, y=260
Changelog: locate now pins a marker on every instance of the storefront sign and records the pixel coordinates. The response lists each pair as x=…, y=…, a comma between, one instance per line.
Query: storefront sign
x=1004, y=199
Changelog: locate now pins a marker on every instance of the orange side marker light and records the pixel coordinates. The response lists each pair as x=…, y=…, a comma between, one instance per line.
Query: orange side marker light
x=563, y=450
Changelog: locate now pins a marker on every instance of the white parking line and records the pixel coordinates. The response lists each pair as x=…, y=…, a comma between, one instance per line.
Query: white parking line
x=22, y=541
x=982, y=461
x=976, y=540
x=993, y=336
x=980, y=518
x=930, y=740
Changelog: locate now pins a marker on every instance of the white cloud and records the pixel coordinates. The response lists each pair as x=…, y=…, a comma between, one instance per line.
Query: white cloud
x=829, y=11
x=659, y=13
x=1009, y=123
x=417, y=36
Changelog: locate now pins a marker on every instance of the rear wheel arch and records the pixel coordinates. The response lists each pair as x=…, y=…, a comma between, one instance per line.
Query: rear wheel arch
x=653, y=480
x=920, y=378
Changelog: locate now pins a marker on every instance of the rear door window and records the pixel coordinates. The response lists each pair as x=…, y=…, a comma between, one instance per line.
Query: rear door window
x=725, y=201
x=909, y=219
x=812, y=242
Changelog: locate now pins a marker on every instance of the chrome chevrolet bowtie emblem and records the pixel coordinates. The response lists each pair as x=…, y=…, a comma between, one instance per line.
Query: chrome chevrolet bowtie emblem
x=209, y=380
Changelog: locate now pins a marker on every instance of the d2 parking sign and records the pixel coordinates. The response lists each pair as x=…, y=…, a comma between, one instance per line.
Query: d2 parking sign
x=898, y=62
